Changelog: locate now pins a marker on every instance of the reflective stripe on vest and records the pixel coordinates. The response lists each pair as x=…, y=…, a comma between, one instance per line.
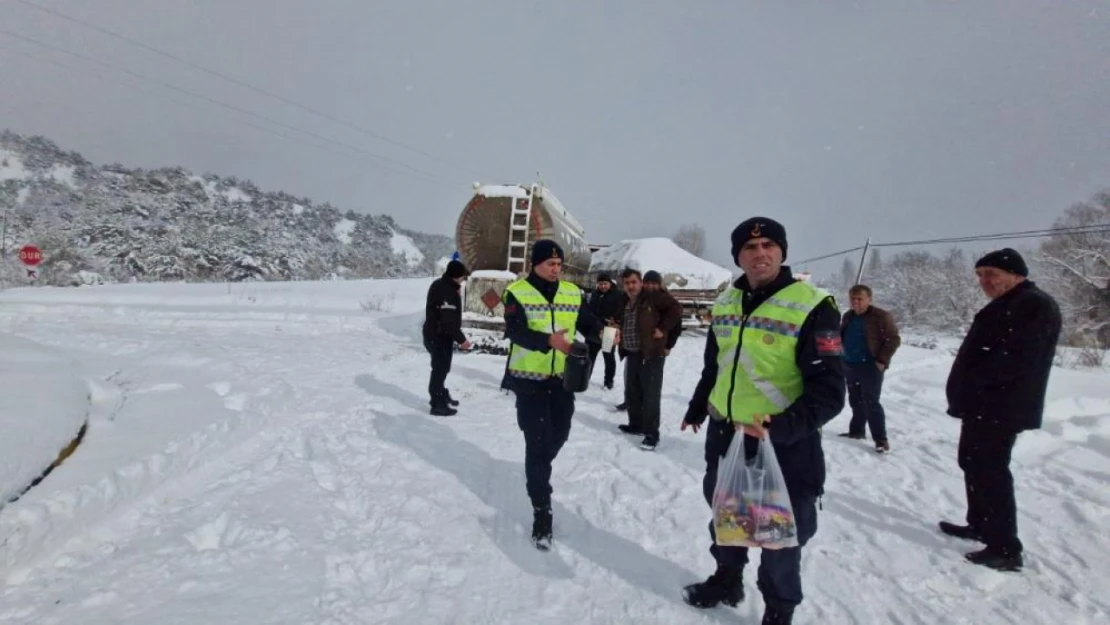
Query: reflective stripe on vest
x=546, y=317
x=756, y=368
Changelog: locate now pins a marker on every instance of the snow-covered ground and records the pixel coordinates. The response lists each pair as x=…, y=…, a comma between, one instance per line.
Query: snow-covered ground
x=263, y=454
x=43, y=404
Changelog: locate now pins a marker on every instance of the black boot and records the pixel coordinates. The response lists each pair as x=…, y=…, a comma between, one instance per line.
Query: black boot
x=725, y=586
x=960, y=531
x=778, y=616
x=541, y=527
x=451, y=401
x=996, y=560
x=440, y=407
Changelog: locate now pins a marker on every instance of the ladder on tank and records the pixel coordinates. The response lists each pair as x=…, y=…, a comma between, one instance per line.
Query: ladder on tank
x=520, y=219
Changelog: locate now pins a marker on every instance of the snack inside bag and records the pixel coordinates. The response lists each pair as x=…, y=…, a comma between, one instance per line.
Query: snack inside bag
x=751, y=506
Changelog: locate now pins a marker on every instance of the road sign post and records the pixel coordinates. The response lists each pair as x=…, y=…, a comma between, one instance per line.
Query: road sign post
x=30, y=255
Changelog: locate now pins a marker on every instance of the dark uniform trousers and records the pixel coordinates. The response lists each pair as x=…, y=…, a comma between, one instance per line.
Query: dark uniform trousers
x=544, y=416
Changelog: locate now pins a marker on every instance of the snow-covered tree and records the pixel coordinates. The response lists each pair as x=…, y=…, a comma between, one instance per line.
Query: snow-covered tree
x=690, y=237
x=1076, y=268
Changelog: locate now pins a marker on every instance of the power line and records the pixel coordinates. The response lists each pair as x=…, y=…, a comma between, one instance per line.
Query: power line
x=1095, y=228
x=998, y=236
x=384, y=159
x=136, y=87
x=241, y=83
x=840, y=253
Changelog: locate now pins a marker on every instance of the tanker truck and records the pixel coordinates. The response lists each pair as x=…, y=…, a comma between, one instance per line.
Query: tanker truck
x=494, y=237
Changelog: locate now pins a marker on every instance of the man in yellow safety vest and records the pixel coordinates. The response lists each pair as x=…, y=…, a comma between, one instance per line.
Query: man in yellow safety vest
x=772, y=367
x=540, y=311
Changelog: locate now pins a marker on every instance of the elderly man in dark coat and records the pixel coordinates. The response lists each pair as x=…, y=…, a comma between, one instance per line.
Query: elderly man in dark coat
x=997, y=388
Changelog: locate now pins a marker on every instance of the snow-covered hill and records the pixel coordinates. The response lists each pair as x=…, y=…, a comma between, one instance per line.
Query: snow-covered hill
x=119, y=224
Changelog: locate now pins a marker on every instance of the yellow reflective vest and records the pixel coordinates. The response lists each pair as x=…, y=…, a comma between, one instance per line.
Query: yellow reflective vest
x=546, y=317
x=756, y=368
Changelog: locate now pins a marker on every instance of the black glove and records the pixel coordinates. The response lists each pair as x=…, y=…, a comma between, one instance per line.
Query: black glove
x=695, y=417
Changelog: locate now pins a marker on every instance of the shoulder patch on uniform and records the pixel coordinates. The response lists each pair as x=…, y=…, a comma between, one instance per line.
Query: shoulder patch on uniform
x=828, y=343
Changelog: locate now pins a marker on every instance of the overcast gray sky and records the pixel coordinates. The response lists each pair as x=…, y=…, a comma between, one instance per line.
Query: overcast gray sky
x=895, y=119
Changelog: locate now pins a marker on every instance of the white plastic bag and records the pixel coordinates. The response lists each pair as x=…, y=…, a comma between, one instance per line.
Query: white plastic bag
x=751, y=506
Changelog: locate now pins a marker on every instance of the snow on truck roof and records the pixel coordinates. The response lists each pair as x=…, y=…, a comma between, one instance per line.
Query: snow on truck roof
x=519, y=191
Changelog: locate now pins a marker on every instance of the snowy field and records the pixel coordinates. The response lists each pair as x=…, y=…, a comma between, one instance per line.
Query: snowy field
x=263, y=454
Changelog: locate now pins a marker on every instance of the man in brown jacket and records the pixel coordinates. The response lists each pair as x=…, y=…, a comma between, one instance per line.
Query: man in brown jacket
x=646, y=318
x=870, y=339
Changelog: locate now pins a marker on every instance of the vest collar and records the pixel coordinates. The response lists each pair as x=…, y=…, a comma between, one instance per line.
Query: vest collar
x=547, y=289
x=753, y=298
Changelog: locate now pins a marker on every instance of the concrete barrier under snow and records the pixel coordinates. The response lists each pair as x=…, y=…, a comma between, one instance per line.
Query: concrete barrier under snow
x=44, y=406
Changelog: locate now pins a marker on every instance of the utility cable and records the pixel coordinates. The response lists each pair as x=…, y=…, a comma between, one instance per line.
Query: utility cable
x=241, y=83
x=384, y=160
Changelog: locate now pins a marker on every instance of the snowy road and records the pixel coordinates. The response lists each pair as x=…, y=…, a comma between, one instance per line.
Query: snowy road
x=268, y=458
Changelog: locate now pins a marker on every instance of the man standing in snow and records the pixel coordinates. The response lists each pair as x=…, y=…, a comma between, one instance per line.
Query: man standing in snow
x=442, y=330
x=539, y=312
x=648, y=319
x=653, y=282
x=603, y=303
x=870, y=339
x=772, y=358
x=997, y=388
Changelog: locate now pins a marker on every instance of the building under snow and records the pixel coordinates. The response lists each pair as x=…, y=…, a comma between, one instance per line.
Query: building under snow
x=681, y=270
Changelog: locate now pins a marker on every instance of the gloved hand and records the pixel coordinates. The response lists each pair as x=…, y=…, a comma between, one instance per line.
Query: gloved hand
x=693, y=420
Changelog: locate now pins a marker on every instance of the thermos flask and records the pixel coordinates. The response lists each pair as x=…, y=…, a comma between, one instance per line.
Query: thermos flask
x=576, y=375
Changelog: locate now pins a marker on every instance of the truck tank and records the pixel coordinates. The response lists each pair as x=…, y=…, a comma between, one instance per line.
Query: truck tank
x=486, y=228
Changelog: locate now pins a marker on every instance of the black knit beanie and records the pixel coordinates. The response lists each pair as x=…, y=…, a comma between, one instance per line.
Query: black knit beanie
x=545, y=249
x=1006, y=259
x=754, y=228
x=455, y=269
x=653, y=276
x=604, y=277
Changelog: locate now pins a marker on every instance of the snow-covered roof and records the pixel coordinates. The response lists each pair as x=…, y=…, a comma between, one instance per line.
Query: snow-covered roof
x=680, y=269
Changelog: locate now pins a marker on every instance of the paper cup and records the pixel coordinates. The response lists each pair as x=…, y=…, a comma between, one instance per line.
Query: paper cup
x=608, y=337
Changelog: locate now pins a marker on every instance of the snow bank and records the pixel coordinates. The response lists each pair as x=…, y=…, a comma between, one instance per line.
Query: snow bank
x=43, y=406
x=680, y=269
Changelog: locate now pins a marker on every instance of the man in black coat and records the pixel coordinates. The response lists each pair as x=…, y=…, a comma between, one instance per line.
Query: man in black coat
x=603, y=303
x=997, y=388
x=442, y=330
